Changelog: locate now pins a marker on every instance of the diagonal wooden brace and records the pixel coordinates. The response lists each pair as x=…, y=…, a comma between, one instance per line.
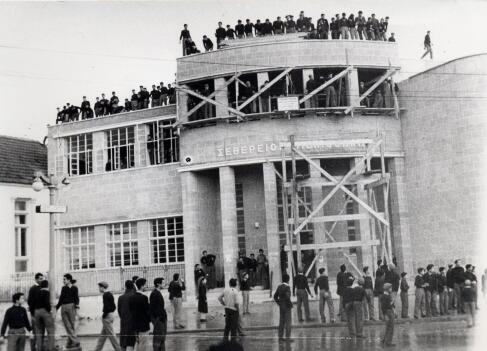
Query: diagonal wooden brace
x=324, y=85
x=271, y=83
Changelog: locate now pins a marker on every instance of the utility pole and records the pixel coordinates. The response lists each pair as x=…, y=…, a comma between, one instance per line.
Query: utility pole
x=295, y=204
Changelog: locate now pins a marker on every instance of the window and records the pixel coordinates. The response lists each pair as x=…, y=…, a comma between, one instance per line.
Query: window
x=80, y=154
x=240, y=218
x=21, y=236
x=122, y=244
x=162, y=143
x=79, y=245
x=351, y=227
x=167, y=240
x=120, y=149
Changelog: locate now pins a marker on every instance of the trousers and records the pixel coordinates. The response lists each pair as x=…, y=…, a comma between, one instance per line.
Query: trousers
x=302, y=299
x=16, y=339
x=358, y=317
x=142, y=339
x=458, y=297
x=44, y=323
x=431, y=298
x=231, y=323
x=159, y=335
x=107, y=332
x=389, y=330
x=245, y=301
x=350, y=318
x=177, y=304
x=285, y=319
x=470, y=311
x=325, y=298
x=419, y=303
x=404, y=304
x=368, y=304
x=68, y=316
x=444, y=302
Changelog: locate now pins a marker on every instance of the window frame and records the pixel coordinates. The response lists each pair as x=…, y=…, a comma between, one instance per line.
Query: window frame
x=70, y=247
x=162, y=243
x=75, y=155
x=156, y=130
x=112, y=243
x=115, y=141
x=18, y=229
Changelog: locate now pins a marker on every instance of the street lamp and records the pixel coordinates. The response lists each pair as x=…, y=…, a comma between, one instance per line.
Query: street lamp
x=52, y=183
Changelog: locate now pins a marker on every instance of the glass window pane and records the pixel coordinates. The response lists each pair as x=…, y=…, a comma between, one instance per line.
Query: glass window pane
x=20, y=205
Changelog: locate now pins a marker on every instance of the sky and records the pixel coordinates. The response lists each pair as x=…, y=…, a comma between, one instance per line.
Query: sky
x=52, y=53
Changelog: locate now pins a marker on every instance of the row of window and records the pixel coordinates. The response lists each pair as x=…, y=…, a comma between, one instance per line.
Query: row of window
x=166, y=242
x=162, y=147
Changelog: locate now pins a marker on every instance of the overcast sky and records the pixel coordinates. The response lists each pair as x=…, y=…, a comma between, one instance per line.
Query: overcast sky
x=56, y=52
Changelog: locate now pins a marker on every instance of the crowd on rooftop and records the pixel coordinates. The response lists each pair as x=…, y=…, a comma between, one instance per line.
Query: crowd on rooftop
x=339, y=27
x=160, y=95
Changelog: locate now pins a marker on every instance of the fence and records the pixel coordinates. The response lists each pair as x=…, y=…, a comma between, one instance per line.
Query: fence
x=87, y=280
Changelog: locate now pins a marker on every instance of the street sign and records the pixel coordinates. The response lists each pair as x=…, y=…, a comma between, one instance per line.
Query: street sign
x=51, y=209
x=289, y=103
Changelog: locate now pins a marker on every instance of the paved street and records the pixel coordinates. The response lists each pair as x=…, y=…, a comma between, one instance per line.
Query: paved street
x=417, y=336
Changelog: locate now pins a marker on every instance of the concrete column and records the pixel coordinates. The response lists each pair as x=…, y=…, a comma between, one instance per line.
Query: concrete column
x=229, y=222
x=141, y=158
x=399, y=215
x=102, y=255
x=319, y=228
x=100, y=156
x=221, y=96
x=61, y=165
x=352, y=88
x=182, y=101
x=189, y=185
x=144, y=244
x=365, y=231
x=306, y=73
x=262, y=77
x=272, y=225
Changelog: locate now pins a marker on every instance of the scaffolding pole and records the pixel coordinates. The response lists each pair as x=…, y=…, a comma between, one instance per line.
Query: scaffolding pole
x=295, y=204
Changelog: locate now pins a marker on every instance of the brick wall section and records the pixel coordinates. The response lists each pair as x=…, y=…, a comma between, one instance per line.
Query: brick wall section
x=297, y=52
x=444, y=129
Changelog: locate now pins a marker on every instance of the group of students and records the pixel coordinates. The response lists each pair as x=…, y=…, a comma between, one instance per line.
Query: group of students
x=160, y=95
x=339, y=27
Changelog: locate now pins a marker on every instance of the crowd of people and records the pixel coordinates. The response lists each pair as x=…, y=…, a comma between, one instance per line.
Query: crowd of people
x=441, y=292
x=160, y=95
x=354, y=27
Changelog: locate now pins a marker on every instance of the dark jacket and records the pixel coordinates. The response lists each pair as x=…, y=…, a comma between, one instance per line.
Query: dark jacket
x=347, y=295
x=123, y=307
x=431, y=280
x=32, y=298
x=404, y=285
x=458, y=275
x=108, y=303
x=68, y=295
x=441, y=281
x=140, y=312
x=282, y=296
x=322, y=283
x=419, y=281
x=175, y=289
x=358, y=294
x=15, y=318
x=449, y=279
x=157, y=306
x=43, y=300
x=386, y=303
x=379, y=285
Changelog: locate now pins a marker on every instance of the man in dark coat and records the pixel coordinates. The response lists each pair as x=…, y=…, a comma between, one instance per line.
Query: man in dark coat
x=158, y=316
x=141, y=315
x=127, y=333
x=342, y=279
x=31, y=302
x=282, y=297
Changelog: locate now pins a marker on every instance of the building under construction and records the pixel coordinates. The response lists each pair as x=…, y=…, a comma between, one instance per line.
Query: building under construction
x=253, y=156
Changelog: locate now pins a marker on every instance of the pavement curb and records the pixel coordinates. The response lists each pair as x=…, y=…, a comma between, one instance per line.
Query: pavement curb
x=398, y=321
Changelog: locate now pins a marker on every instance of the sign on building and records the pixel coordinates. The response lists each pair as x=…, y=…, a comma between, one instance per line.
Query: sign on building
x=288, y=103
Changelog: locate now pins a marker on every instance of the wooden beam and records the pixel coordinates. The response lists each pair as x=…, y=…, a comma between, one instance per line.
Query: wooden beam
x=386, y=75
x=337, y=218
x=200, y=104
x=324, y=85
x=271, y=83
x=342, y=182
x=337, y=244
x=230, y=109
x=385, y=179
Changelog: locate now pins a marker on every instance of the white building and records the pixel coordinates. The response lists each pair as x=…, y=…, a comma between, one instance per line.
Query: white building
x=24, y=235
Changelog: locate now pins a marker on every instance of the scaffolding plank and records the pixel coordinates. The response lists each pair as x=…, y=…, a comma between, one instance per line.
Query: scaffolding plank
x=337, y=244
x=336, y=218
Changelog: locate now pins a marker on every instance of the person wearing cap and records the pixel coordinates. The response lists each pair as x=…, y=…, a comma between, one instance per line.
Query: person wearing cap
x=442, y=291
x=368, y=303
x=127, y=333
x=385, y=25
x=431, y=291
x=325, y=296
x=107, y=330
x=69, y=303
x=17, y=322
x=301, y=290
x=176, y=288
x=387, y=306
x=323, y=27
x=343, y=26
x=360, y=24
x=158, y=315
x=249, y=28
x=347, y=305
x=183, y=38
x=419, y=300
x=404, y=286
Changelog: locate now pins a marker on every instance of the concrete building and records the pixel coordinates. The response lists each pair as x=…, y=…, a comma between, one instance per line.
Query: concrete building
x=24, y=236
x=151, y=189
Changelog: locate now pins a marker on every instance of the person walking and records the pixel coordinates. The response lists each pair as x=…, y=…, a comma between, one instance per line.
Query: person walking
x=245, y=289
x=176, y=288
x=325, y=296
x=158, y=316
x=31, y=302
x=69, y=304
x=127, y=333
x=44, y=320
x=282, y=297
x=107, y=319
x=404, y=296
x=368, y=304
x=301, y=290
x=17, y=322
x=202, y=299
x=141, y=315
x=229, y=299
x=387, y=307
x=427, y=46
x=419, y=300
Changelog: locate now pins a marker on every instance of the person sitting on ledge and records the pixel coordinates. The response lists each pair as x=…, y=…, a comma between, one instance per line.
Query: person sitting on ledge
x=230, y=33
x=207, y=43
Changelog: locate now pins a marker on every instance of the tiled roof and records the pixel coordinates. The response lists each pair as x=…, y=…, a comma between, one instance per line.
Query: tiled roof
x=20, y=158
